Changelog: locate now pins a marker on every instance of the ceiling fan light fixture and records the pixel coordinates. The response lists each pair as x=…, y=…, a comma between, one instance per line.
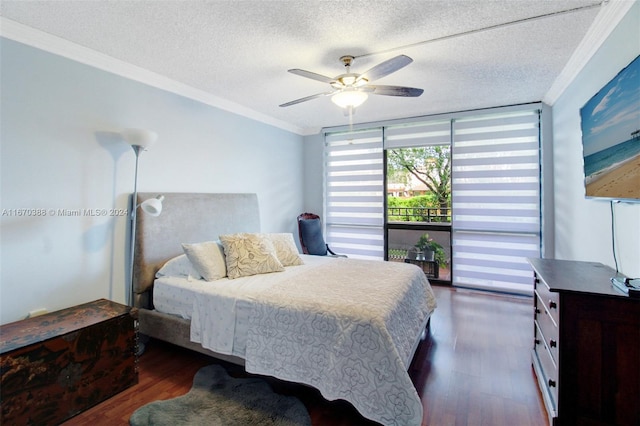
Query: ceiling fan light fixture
x=349, y=98
x=351, y=90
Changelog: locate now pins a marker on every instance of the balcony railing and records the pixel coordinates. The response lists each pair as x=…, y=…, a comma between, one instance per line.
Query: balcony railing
x=406, y=225
x=419, y=214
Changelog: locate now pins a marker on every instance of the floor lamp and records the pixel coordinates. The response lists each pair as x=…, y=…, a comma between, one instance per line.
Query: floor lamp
x=139, y=140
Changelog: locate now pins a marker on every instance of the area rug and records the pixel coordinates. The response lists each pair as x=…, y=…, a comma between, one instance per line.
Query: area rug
x=217, y=399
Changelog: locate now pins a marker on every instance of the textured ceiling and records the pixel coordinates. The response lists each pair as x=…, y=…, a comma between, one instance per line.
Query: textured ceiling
x=240, y=50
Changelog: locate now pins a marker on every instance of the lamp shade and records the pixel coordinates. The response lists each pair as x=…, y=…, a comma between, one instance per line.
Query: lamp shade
x=349, y=98
x=152, y=206
x=139, y=137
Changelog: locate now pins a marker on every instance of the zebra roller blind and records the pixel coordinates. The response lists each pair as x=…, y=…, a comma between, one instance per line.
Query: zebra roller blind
x=419, y=134
x=354, y=193
x=496, y=200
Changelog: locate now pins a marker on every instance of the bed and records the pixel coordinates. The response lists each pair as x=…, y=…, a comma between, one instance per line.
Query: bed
x=347, y=327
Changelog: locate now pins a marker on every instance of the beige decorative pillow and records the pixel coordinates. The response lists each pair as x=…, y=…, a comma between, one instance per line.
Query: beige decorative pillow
x=286, y=249
x=249, y=254
x=207, y=258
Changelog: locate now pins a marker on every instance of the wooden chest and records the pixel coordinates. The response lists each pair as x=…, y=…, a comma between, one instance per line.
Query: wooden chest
x=57, y=365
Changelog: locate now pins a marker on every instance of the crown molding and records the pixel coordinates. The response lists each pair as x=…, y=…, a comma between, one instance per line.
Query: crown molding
x=610, y=15
x=59, y=46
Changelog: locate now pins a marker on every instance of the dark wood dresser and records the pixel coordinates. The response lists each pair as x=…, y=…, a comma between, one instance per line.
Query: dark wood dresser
x=57, y=365
x=586, y=351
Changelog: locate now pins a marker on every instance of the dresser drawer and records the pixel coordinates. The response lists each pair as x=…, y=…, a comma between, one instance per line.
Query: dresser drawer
x=549, y=299
x=549, y=366
x=596, y=364
x=548, y=327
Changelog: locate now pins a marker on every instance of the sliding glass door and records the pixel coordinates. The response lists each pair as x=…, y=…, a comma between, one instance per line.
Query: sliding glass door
x=458, y=195
x=418, y=196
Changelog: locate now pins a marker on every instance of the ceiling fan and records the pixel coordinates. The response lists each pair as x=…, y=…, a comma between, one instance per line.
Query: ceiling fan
x=350, y=90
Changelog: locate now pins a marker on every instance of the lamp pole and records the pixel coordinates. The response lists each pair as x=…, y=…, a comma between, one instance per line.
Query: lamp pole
x=140, y=140
x=133, y=213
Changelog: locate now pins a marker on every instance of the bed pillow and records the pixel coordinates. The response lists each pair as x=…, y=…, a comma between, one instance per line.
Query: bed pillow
x=179, y=266
x=286, y=249
x=207, y=258
x=249, y=254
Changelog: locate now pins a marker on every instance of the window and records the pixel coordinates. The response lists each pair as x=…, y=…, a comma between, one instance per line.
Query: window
x=495, y=192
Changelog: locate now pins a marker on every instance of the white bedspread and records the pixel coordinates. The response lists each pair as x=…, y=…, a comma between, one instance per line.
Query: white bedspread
x=345, y=326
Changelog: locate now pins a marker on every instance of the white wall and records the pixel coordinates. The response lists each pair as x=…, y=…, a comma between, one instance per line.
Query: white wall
x=314, y=174
x=59, y=151
x=583, y=226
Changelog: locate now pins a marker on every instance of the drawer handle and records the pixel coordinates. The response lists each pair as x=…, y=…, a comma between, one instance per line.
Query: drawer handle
x=552, y=383
x=536, y=341
x=536, y=310
x=553, y=343
x=536, y=280
x=552, y=304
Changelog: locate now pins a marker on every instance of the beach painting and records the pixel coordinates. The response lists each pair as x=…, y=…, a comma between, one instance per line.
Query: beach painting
x=611, y=138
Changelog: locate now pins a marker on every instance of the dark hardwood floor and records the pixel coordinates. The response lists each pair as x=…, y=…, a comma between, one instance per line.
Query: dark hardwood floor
x=473, y=369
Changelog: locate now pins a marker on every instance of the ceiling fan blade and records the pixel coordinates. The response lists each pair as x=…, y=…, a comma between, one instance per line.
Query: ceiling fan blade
x=410, y=92
x=312, y=75
x=307, y=98
x=386, y=68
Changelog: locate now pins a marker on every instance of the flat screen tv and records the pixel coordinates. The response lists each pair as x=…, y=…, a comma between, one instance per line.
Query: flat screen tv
x=610, y=123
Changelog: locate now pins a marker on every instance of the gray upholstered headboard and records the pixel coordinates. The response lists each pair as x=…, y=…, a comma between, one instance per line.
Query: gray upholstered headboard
x=185, y=218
